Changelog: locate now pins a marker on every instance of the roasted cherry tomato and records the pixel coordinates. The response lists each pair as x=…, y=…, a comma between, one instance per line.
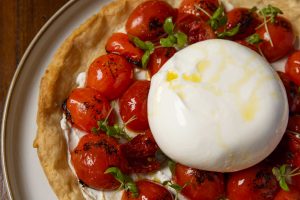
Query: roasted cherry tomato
x=294, y=124
x=192, y=7
x=85, y=106
x=200, y=184
x=255, y=183
x=246, y=19
x=246, y=44
x=283, y=38
x=195, y=28
x=146, y=21
x=119, y=43
x=111, y=75
x=292, y=67
x=149, y=190
x=159, y=57
x=292, y=194
x=133, y=106
x=93, y=155
x=140, y=153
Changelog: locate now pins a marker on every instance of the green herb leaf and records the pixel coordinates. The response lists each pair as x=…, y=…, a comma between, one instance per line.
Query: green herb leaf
x=169, y=26
x=218, y=19
x=230, y=33
x=113, y=131
x=254, y=39
x=181, y=39
x=145, y=59
x=284, y=174
x=147, y=46
x=139, y=43
x=253, y=9
x=270, y=11
x=126, y=182
x=175, y=186
x=170, y=41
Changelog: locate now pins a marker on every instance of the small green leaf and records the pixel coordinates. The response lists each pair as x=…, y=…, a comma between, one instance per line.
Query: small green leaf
x=181, y=39
x=145, y=59
x=230, y=33
x=170, y=41
x=218, y=19
x=270, y=11
x=253, y=9
x=169, y=26
x=284, y=185
x=254, y=39
x=171, y=165
x=150, y=46
x=126, y=182
x=139, y=43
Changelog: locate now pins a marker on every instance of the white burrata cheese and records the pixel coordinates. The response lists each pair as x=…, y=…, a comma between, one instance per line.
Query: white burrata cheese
x=217, y=106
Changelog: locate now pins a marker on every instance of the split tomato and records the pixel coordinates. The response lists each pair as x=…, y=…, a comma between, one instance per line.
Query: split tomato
x=111, y=75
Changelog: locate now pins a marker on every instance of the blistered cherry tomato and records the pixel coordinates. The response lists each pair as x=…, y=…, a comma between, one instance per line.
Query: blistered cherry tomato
x=246, y=19
x=86, y=106
x=255, y=183
x=292, y=194
x=140, y=153
x=246, y=44
x=159, y=57
x=294, y=123
x=146, y=21
x=292, y=67
x=133, y=106
x=119, y=43
x=192, y=7
x=111, y=75
x=93, y=155
x=195, y=28
x=283, y=38
x=149, y=190
x=200, y=184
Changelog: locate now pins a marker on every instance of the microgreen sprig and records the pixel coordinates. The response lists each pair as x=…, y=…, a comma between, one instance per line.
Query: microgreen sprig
x=126, y=182
x=218, y=18
x=148, y=48
x=115, y=131
x=230, y=32
x=284, y=174
x=171, y=165
x=175, y=186
x=254, y=39
x=174, y=39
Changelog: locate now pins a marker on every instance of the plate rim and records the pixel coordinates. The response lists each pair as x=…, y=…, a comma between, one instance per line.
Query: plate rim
x=14, y=80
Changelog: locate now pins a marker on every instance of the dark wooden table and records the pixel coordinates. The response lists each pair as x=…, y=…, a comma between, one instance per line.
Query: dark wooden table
x=20, y=20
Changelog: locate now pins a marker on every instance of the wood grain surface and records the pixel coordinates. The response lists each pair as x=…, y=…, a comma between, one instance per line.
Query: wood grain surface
x=20, y=20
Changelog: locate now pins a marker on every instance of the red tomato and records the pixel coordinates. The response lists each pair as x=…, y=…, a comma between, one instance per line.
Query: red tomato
x=133, y=104
x=93, y=155
x=294, y=123
x=140, y=153
x=119, y=43
x=246, y=44
x=247, y=20
x=292, y=194
x=292, y=67
x=255, y=183
x=201, y=184
x=283, y=37
x=159, y=57
x=86, y=106
x=146, y=21
x=189, y=7
x=195, y=28
x=149, y=190
x=111, y=75
x=292, y=91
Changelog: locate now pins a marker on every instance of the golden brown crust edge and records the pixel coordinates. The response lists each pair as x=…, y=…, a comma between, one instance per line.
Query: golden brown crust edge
x=74, y=56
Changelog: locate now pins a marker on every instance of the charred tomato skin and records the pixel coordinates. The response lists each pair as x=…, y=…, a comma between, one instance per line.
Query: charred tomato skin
x=150, y=191
x=200, y=184
x=85, y=106
x=119, y=43
x=254, y=183
x=283, y=37
x=133, y=104
x=188, y=7
x=246, y=19
x=92, y=156
x=146, y=21
x=159, y=57
x=111, y=75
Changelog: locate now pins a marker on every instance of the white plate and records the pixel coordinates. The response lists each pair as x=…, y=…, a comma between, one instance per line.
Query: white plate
x=24, y=175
